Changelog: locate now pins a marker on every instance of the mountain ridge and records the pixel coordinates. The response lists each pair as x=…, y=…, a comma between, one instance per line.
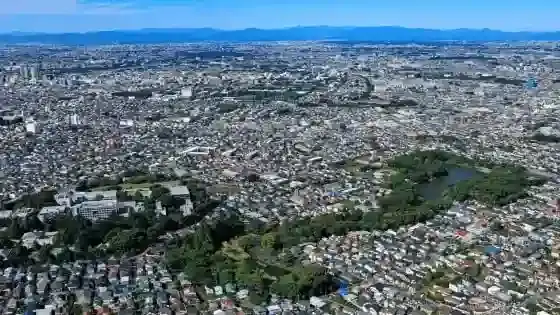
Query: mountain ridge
x=299, y=33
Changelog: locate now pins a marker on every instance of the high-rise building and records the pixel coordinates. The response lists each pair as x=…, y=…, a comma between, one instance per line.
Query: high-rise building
x=34, y=73
x=24, y=72
x=74, y=120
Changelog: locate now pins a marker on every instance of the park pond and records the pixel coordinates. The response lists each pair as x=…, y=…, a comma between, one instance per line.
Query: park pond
x=436, y=187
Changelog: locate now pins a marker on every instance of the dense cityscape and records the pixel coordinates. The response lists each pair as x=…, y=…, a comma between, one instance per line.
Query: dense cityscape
x=280, y=178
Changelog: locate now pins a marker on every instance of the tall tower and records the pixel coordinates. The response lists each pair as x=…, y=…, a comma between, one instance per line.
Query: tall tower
x=24, y=72
x=34, y=73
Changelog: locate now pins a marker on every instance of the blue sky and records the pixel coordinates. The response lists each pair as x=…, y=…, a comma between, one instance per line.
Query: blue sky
x=55, y=16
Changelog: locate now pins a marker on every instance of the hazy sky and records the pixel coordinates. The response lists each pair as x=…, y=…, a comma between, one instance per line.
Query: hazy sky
x=89, y=15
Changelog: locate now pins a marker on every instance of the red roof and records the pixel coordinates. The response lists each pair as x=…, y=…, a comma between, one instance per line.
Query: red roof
x=461, y=233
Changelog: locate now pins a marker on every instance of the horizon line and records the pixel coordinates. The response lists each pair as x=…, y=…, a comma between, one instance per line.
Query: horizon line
x=23, y=33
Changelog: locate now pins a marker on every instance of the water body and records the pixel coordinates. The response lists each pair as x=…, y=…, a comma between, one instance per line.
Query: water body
x=435, y=188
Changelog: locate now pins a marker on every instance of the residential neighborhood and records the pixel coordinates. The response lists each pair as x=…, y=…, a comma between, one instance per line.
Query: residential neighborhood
x=280, y=178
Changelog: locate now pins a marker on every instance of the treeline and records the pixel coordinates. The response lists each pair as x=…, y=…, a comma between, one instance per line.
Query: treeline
x=79, y=238
x=43, y=198
x=421, y=167
x=464, y=77
x=268, y=258
x=260, y=258
x=503, y=184
x=545, y=138
x=499, y=187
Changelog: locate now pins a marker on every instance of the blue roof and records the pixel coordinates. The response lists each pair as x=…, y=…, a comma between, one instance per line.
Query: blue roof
x=531, y=83
x=492, y=250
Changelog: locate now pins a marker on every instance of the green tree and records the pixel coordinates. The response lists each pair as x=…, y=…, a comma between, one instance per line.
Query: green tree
x=243, y=272
x=197, y=256
x=123, y=196
x=81, y=243
x=114, y=233
x=138, y=197
x=32, y=223
x=268, y=240
x=289, y=258
x=287, y=286
x=158, y=191
x=44, y=254
x=223, y=269
x=15, y=231
x=65, y=255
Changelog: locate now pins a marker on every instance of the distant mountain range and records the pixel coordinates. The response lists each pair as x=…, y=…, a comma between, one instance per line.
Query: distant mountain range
x=314, y=33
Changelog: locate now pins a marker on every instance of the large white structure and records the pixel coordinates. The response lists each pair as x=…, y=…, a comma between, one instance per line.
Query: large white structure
x=196, y=150
x=126, y=123
x=74, y=120
x=96, y=209
x=31, y=127
x=187, y=92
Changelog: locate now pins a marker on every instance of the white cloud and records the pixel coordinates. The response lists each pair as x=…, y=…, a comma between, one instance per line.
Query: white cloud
x=107, y=8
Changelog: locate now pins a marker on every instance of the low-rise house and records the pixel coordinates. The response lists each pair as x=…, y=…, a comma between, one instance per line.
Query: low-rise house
x=47, y=214
x=42, y=285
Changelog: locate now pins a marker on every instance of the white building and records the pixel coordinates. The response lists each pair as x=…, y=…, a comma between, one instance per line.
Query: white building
x=179, y=191
x=96, y=209
x=31, y=127
x=74, y=120
x=29, y=239
x=127, y=123
x=187, y=92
